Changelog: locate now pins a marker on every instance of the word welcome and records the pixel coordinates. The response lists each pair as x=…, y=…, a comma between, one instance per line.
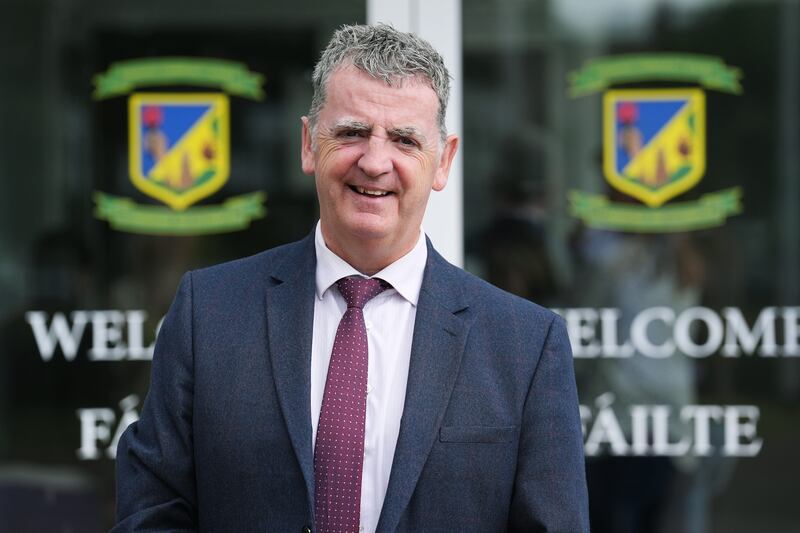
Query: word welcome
x=116, y=335
x=696, y=332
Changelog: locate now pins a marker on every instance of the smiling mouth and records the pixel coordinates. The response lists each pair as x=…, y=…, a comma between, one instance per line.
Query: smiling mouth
x=373, y=193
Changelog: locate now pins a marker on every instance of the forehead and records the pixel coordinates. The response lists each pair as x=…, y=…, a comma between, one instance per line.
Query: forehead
x=355, y=95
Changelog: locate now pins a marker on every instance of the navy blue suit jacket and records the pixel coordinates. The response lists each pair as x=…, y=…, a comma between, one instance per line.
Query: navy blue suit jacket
x=490, y=436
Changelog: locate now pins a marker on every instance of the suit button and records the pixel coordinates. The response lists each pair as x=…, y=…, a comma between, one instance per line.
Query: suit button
x=306, y=529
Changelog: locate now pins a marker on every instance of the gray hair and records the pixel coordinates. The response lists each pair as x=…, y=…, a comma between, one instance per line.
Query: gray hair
x=384, y=53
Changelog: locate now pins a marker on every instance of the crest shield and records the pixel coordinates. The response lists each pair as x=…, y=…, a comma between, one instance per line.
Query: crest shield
x=654, y=142
x=179, y=150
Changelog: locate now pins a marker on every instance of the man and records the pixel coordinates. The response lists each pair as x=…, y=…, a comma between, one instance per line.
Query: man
x=356, y=381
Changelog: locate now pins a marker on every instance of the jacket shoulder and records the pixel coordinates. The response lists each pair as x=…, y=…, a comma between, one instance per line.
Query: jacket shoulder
x=490, y=298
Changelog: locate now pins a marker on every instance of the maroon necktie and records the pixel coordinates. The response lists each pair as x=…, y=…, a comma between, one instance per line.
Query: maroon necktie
x=339, y=451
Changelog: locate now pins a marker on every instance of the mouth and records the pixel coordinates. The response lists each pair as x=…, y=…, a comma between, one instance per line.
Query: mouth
x=371, y=193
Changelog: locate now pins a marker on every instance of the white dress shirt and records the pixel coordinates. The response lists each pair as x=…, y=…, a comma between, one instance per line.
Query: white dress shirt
x=389, y=318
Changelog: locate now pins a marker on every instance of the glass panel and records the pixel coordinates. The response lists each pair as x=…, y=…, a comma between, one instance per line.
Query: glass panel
x=633, y=165
x=85, y=270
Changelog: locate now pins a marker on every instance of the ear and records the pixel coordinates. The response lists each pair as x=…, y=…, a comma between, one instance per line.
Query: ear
x=446, y=159
x=307, y=152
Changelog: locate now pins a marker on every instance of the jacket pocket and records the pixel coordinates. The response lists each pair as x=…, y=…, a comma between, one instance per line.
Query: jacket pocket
x=480, y=434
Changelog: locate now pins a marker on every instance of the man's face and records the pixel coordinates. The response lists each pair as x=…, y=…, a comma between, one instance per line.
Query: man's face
x=376, y=157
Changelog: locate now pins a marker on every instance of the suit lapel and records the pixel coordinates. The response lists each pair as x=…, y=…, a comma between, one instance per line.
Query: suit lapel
x=436, y=351
x=290, y=318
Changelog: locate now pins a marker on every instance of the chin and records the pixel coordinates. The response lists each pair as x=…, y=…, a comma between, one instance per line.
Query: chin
x=366, y=224
x=369, y=231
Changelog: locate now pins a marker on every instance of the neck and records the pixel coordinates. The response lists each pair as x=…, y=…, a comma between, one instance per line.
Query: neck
x=368, y=256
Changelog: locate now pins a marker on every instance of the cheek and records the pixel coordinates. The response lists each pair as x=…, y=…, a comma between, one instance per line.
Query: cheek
x=418, y=170
x=333, y=160
x=424, y=161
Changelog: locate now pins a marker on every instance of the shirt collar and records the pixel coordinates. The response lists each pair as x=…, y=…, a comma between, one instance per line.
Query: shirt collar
x=405, y=274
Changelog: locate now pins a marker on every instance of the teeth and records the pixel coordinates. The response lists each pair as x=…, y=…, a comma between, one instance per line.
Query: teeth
x=362, y=190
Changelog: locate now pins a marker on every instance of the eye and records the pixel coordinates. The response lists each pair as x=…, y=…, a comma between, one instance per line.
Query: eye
x=407, y=141
x=351, y=134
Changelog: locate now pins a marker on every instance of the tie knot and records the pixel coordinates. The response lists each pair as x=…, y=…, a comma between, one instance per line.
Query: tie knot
x=358, y=291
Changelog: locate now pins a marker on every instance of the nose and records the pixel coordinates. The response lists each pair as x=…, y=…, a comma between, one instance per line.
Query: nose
x=376, y=159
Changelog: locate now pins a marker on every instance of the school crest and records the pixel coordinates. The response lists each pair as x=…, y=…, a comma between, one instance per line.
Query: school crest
x=654, y=142
x=178, y=145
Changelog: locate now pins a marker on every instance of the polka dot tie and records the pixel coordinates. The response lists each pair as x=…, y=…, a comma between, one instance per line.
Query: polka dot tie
x=339, y=451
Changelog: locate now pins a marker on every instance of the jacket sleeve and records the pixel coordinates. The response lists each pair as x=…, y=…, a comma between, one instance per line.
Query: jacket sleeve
x=155, y=458
x=550, y=487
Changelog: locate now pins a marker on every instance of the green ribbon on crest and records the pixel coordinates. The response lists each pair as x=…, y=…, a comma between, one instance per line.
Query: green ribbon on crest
x=603, y=72
x=125, y=76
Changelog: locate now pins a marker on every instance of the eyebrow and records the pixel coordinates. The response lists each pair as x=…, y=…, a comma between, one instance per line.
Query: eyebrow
x=348, y=124
x=357, y=125
x=409, y=131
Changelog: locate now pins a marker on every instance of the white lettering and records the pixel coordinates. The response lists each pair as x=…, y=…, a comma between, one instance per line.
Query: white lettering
x=606, y=429
x=609, y=319
x=661, y=443
x=129, y=416
x=59, y=333
x=639, y=430
x=136, y=347
x=683, y=337
x=640, y=339
x=740, y=422
x=702, y=415
x=652, y=427
x=661, y=332
x=582, y=327
x=586, y=415
x=791, y=331
x=110, y=330
x=95, y=428
x=748, y=339
x=96, y=424
x=107, y=336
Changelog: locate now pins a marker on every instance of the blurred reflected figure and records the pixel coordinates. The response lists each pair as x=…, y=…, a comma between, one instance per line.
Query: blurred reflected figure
x=516, y=246
x=632, y=273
